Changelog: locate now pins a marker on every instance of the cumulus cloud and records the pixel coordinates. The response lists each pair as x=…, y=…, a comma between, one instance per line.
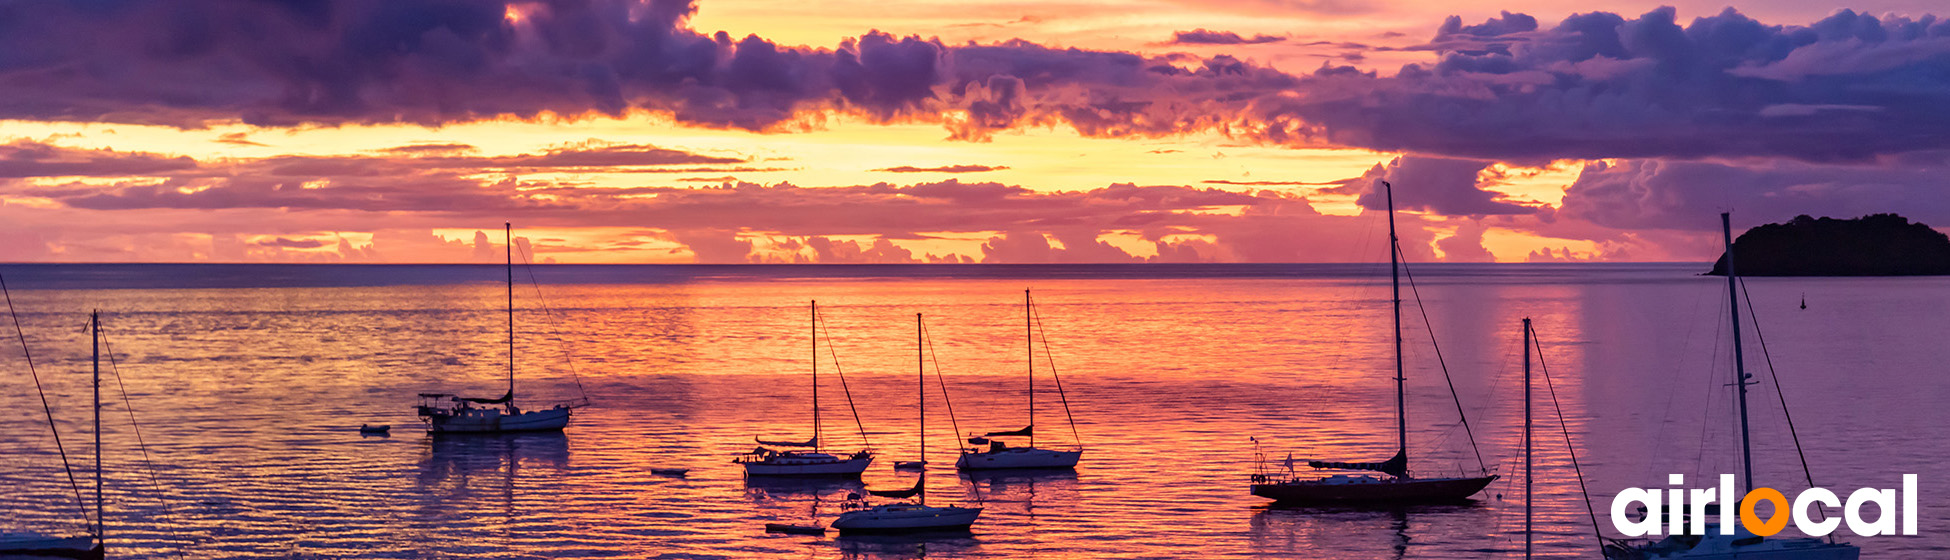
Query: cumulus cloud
x=1435, y=184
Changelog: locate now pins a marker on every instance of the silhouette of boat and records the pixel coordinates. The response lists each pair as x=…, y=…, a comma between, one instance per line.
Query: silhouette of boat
x=1398, y=486
x=807, y=458
x=991, y=452
x=447, y=413
x=861, y=517
x=1743, y=544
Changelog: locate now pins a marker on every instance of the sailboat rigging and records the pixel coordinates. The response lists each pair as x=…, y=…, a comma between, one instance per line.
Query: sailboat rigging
x=999, y=455
x=861, y=517
x=449, y=413
x=1398, y=486
x=765, y=461
x=1742, y=543
x=93, y=544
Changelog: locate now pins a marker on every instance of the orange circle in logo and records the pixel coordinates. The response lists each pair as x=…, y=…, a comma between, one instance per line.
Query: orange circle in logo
x=1752, y=521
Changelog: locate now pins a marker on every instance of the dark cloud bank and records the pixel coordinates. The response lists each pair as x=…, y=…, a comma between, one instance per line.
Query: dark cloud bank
x=1596, y=85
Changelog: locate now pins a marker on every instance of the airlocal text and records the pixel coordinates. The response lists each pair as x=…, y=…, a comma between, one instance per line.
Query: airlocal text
x=1693, y=504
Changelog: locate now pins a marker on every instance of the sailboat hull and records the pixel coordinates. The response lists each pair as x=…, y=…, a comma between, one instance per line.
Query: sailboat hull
x=800, y=466
x=1824, y=551
x=492, y=421
x=906, y=518
x=40, y=546
x=1019, y=458
x=1365, y=490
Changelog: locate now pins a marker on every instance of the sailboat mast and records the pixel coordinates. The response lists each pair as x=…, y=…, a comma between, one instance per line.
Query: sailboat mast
x=1739, y=365
x=1029, y=334
x=508, y=242
x=1526, y=439
x=817, y=445
x=1395, y=291
x=95, y=341
x=921, y=393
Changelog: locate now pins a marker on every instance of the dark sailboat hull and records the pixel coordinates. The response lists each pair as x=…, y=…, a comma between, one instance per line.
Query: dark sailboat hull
x=1383, y=491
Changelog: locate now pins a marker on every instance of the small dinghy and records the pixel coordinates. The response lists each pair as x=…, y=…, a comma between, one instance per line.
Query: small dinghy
x=670, y=472
x=370, y=430
x=911, y=465
x=793, y=529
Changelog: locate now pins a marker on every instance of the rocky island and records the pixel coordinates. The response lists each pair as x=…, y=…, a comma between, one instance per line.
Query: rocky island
x=1873, y=245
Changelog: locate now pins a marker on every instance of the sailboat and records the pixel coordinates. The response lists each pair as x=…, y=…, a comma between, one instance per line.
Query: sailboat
x=999, y=455
x=861, y=517
x=806, y=458
x=89, y=546
x=447, y=413
x=1398, y=486
x=1742, y=544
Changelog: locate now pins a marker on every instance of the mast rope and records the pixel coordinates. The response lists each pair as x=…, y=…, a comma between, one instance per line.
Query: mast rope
x=154, y=479
x=1051, y=358
x=943, y=382
x=1568, y=446
x=843, y=387
x=1430, y=325
x=1806, y=472
x=51, y=427
x=568, y=352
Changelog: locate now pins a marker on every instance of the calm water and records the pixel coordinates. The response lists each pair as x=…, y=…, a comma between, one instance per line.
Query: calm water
x=249, y=382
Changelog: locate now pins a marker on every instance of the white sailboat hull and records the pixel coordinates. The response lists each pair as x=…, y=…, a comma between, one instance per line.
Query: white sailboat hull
x=1019, y=458
x=494, y=420
x=803, y=465
x=899, y=518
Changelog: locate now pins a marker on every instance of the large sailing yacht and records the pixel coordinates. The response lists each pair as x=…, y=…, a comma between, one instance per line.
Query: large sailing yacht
x=806, y=458
x=1399, y=486
x=1742, y=544
x=447, y=413
x=999, y=455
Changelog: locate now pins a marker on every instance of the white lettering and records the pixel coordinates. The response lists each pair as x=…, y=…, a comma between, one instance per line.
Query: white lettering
x=1822, y=497
x=1885, y=501
x=1647, y=526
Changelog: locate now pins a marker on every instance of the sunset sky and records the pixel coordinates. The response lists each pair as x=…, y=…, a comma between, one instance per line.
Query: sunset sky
x=849, y=131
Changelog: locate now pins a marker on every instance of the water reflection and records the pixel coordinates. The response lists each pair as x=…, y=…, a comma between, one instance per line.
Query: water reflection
x=1359, y=532
x=461, y=468
x=947, y=544
x=1021, y=489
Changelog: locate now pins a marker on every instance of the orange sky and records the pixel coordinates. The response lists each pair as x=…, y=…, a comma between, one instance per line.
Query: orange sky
x=140, y=183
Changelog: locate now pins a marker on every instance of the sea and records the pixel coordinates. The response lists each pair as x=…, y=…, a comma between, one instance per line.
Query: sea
x=231, y=397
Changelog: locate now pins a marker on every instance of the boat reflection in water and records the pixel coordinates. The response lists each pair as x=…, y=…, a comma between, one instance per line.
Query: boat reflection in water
x=462, y=476
x=1365, y=531
x=763, y=488
x=949, y=544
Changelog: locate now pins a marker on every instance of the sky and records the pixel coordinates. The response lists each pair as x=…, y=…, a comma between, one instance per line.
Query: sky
x=964, y=131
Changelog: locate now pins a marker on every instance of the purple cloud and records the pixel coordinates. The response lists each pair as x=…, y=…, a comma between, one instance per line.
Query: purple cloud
x=1847, y=88
x=1674, y=195
x=943, y=169
x=1441, y=185
x=25, y=158
x=1202, y=36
